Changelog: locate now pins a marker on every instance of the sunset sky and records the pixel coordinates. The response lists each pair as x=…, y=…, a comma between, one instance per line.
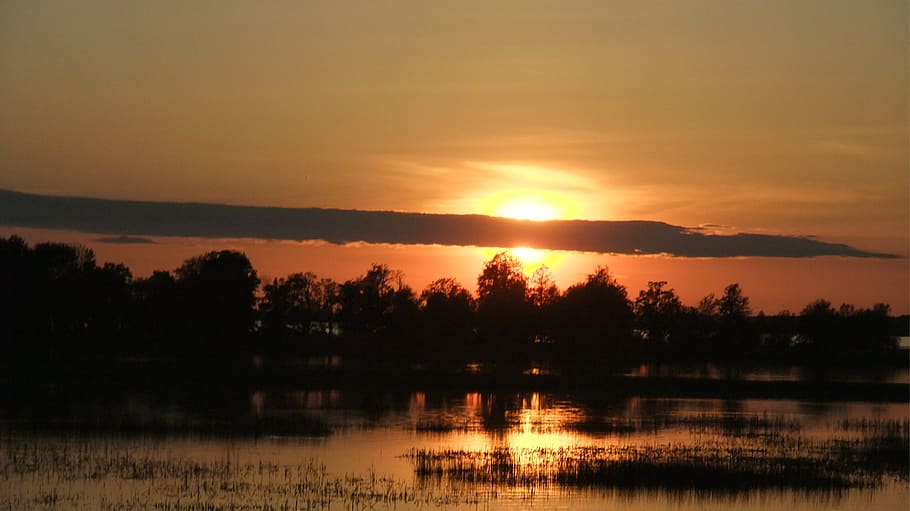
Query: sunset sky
x=775, y=117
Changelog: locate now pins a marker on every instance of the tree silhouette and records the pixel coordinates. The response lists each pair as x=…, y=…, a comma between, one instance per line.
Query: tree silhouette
x=365, y=300
x=402, y=319
x=158, y=315
x=57, y=303
x=830, y=333
x=817, y=325
x=777, y=332
x=723, y=325
x=110, y=303
x=544, y=297
x=447, y=317
x=16, y=290
x=62, y=275
x=502, y=279
x=658, y=312
x=290, y=304
x=595, y=317
x=216, y=292
x=378, y=304
x=875, y=324
x=503, y=306
x=542, y=291
x=733, y=305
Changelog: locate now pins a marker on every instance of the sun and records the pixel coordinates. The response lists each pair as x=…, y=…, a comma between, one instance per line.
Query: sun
x=530, y=205
x=528, y=208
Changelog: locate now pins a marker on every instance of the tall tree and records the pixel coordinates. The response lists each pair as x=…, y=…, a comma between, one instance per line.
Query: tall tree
x=544, y=296
x=873, y=330
x=733, y=305
x=290, y=304
x=447, y=315
x=542, y=291
x=503, y=306
x=62, y=273
x=16, y=290
x=157, y=311
x=817, y=326
x=658, y=312
x=595, y=317
x=369, y=303
x=217, y=294
x=111, y=302
x=734, y=333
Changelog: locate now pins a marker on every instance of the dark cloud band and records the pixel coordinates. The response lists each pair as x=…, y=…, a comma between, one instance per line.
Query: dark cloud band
x=128, y=219
x=124, y=240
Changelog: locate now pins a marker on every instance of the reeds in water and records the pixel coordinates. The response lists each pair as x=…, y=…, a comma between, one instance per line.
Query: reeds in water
x=794, y=464
x=96, y=474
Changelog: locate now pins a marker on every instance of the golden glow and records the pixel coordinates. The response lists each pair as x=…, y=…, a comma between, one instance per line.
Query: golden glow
x=528, y=205
x=534, y=424
x=531, y=258
x=525, y=191
x=540, y=426
x=528, y=208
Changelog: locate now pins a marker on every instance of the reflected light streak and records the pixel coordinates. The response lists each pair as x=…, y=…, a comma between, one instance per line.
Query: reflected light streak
x=523, y=423
x=540, y=426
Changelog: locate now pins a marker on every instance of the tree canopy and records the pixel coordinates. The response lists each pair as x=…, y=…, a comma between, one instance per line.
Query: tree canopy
x=56, y=299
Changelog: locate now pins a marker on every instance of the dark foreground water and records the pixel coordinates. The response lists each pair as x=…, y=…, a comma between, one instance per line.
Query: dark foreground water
x=373, y=448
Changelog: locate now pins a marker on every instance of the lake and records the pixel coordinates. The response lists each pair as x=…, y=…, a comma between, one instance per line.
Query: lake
x=370, y=447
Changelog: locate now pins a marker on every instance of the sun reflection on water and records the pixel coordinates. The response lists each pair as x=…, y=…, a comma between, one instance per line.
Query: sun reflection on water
x=521, y=422
x=542, y=425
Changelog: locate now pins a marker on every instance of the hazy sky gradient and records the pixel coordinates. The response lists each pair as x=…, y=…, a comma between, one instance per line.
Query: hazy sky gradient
x=763, y=116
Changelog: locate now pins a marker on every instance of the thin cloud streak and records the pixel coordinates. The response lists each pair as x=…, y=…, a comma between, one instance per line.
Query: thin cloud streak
x=125, y=240
x=130, y=219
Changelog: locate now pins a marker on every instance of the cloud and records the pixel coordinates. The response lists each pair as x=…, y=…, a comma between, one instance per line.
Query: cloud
x=124, y=240
x=128, y=219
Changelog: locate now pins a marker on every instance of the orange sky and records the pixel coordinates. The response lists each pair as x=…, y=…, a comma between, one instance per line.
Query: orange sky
x=761, y=116
x=773, y=284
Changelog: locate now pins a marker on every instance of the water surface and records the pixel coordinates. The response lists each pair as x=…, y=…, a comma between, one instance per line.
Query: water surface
x=343, y=448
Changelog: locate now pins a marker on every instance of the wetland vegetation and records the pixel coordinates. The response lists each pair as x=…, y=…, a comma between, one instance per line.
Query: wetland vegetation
x=390, y=450
x=199, y=389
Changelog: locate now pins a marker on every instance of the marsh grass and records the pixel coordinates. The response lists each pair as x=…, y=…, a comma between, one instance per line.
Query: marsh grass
x=893, y=427
x=731, y=456
x=87, y=474
x=782, y=460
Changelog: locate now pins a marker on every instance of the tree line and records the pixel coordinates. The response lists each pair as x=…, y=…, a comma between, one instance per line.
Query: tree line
x=56, y=300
